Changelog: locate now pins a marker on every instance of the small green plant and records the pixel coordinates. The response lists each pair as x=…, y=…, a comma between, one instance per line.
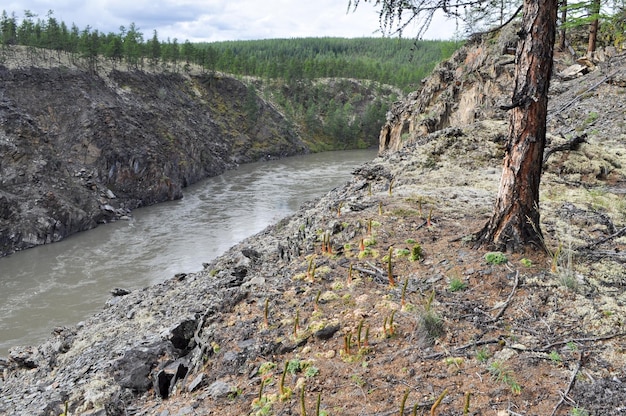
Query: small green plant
x=593, y=116
x=482, y=355
x=417, y=253
x=502, y=373
x=429, y=324
x=578, y=411
x=526, y=262
x=456, y=284
x=389, y=328
x=359, y=330
x=410, y=241
x=311, y=371
x=296, y=324
x=266, y=368
x=357, y=380
x=281, y=384
x=402, y=252
x=293, y=366
x=403, y=295
x=302, y=403
x=466, y=404
x=496, y=258
x=310, y=271
x=568, y=281
x=65, y=413
x=456, y=361
x=555, y=357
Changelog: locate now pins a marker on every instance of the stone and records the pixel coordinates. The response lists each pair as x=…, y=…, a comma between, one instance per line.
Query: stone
x=219, y=389
x=573, y=71
x=119, y=291
x=196, y=383
x=327, y=332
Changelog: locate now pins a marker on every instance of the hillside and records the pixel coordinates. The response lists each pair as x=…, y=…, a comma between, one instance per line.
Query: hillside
x=78, y=149
x=372, y=300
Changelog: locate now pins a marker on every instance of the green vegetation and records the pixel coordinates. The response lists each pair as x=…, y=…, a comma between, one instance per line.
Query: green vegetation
x=456, y=284
x=336, y=90
x=495, y=257
x=500, y=372
x=399, y=62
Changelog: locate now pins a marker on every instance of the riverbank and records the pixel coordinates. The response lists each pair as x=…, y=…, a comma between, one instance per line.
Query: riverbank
x=66, y=282
x=511, y=334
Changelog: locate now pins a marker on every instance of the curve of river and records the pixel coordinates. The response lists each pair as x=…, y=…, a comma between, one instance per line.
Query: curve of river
x=62, y=283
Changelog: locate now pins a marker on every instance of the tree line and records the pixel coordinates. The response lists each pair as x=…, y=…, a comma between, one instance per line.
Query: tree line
x=399, y=62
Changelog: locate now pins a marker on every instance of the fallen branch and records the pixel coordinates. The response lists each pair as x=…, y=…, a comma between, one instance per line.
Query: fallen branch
x=508, y=300
x=581, y=360
x=582, y=94
x=572, y=144
x=461, y=348
x=549, y=347
x=377, y=273
x=613, y=236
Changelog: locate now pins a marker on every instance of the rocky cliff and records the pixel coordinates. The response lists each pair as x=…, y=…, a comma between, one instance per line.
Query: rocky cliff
x=78, y=149
x=476, y=81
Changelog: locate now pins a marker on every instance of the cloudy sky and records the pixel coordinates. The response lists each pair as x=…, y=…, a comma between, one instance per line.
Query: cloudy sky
x=216, y=20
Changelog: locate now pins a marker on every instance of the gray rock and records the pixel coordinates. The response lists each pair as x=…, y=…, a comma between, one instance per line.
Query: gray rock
x=219, y=389
x=196, y=383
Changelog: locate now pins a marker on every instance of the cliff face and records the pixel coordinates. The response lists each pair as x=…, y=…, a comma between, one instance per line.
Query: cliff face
x=479, y=78
x=468, y=87
x=78, y=149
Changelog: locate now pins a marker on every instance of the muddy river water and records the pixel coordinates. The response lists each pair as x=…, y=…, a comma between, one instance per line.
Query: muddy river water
x=63, y=283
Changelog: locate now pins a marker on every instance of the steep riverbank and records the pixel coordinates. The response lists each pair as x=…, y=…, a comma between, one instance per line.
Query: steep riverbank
x=78, y=149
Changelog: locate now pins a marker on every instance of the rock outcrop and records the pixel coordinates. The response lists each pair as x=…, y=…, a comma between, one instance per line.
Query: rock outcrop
x=474, y=85
x=78, y=149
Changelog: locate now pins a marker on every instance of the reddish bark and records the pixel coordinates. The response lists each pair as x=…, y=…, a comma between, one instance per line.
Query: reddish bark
x=593, y=28
x=515, y=221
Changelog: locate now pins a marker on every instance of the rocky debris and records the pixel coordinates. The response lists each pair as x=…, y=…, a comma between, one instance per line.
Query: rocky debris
x=573, y=71
x=78, y=149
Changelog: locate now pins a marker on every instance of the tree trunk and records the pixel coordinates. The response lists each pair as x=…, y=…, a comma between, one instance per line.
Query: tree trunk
x=563, y=21
x=515, y=221
x=593, y=28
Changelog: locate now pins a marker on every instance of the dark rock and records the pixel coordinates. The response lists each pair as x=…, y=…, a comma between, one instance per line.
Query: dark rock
x=326, y=332
x=251, y=253
x=119, y=291
x=166, y=378
x=132, y=371
x=182, y=334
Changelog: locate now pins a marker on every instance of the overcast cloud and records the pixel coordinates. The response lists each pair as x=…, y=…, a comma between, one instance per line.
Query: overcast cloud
x=216, y=20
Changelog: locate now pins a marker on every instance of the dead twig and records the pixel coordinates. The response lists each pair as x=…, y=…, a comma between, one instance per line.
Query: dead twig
x=508, y=300
x=461, y=348
x=581, y=360
x=582, y=94
x=571, y=144
x=549, y=347
x=613, y=236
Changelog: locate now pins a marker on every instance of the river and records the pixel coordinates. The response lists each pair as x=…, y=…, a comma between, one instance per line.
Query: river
x=63, y=283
